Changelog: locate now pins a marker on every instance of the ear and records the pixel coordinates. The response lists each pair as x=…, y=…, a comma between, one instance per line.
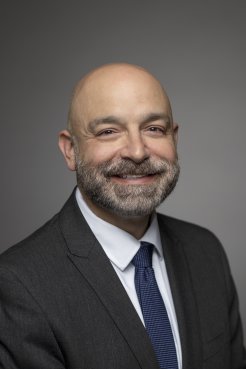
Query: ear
x=67, y=148
x=175, y=133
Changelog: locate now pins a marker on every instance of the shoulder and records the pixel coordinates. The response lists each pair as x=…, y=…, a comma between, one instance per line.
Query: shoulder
x=45, y=241
x=202, y=251
x=195, y=239
x=182, y=228
x=40, y=261
x=30, y=252
x=45, y=251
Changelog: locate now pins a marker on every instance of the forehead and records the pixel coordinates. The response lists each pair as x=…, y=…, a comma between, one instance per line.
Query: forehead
x=120, y=91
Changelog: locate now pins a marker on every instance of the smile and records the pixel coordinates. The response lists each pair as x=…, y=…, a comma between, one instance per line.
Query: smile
x=138, y=179
x=128, y=176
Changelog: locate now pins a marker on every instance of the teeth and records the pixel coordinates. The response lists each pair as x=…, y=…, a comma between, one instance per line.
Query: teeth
x=133, y=176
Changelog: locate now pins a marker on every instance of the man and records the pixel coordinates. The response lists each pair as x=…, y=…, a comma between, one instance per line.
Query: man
x=107, y=283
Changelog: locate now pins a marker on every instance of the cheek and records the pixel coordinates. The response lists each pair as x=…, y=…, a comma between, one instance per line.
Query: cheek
x=96, y=154
x=165, y=150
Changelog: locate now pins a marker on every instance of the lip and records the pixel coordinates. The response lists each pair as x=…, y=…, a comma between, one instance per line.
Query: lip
x=134, y=179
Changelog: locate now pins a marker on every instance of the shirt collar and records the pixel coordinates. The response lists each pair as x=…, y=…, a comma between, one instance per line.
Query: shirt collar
x=119, y=246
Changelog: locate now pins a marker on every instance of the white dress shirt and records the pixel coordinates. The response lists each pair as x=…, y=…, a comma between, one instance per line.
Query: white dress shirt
x=120, y=247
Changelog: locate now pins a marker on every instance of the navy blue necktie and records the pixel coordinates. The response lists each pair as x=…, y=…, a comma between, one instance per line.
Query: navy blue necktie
x=153, y=308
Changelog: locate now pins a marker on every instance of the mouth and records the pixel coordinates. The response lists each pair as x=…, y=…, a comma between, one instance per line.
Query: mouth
x=138, y=179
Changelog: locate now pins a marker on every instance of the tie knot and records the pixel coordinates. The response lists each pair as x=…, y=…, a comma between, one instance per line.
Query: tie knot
x=143, y=257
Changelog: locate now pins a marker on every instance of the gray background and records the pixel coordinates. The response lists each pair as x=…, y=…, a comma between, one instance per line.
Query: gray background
x=197, y=50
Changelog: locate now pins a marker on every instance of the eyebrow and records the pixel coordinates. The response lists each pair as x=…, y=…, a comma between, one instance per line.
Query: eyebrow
x=115, y=120
x=104, y=120
x=157, y=116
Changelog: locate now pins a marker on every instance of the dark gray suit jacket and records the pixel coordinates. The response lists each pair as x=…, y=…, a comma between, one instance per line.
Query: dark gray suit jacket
x=63, y=306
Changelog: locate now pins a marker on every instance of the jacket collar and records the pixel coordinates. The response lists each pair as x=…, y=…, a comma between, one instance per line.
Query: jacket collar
x=183, y=295
x=89, y=259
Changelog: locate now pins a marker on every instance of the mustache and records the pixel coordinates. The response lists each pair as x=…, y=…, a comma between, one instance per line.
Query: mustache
x=128, y=167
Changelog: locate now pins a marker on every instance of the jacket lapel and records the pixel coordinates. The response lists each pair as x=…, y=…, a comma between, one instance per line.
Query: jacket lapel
x=183, y=297
x=89, y=258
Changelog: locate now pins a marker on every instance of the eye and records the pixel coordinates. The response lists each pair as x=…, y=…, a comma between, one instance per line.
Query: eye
x=106, y=132
x=156, y=130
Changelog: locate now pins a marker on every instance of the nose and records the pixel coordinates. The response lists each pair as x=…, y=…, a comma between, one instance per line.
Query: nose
x=135, y=148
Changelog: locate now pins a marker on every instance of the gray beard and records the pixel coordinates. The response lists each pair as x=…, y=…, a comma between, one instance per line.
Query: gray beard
x=128, y=200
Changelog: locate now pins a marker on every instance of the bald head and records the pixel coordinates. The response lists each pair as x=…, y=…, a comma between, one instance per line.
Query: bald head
x=112, y=84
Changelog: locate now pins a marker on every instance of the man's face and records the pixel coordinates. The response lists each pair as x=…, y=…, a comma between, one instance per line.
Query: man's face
x=125, y=145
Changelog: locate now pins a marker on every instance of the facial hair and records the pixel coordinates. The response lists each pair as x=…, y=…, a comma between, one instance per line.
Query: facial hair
x=127, y=200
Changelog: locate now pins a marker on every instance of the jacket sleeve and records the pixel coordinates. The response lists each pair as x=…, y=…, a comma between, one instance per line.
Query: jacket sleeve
x=238, y=353
x=26, y=339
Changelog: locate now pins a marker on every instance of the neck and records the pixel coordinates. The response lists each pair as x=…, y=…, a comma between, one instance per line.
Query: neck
x=136, y=226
